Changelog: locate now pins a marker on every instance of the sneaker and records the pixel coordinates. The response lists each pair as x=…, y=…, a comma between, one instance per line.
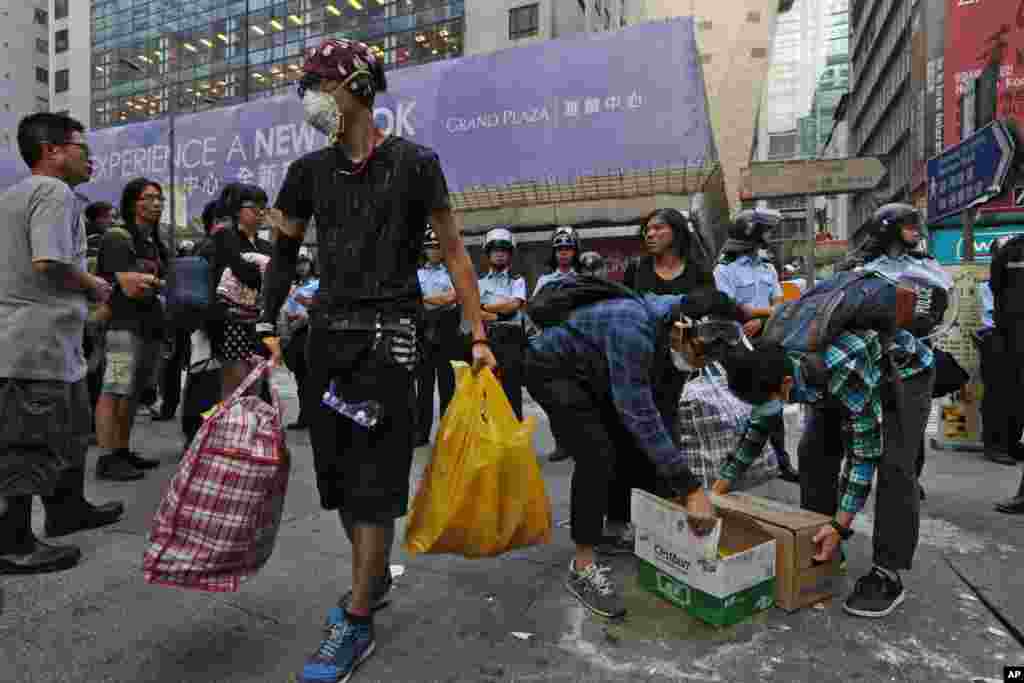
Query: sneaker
x=595, y=590
x=875, y=595
x=345, y=648
x=378, y=600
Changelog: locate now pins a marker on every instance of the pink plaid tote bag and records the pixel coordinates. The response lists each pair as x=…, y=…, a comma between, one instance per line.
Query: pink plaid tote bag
x=219, y=517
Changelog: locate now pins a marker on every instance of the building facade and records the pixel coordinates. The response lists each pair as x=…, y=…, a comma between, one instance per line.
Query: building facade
x=71, y=58
x=25, y=57
x=881, y=109
x=154, y=56
x=494, y=25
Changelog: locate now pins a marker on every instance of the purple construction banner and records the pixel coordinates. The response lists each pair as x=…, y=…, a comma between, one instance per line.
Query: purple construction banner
x=631, y=99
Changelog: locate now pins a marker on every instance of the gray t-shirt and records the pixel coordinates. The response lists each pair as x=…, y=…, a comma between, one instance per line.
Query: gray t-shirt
x=41, y=323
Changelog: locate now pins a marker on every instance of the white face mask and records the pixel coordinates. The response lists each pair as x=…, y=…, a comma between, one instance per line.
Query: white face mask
x=679, y=360
x=322, y=113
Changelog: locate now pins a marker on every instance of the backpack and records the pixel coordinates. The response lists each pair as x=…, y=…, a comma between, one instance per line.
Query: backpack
x=188, y=297
x=556, y=300
x=848, y=301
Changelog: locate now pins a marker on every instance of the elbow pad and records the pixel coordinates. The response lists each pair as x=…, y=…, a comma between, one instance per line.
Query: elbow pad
x=278, y=282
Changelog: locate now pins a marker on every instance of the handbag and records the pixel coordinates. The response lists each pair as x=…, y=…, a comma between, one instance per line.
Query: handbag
x=242, y=302
x=217, y=523
x=188, y=299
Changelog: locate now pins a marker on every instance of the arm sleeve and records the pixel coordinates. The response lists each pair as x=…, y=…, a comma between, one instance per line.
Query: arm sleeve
x=540, y=283
x=776, y=285
x=519, y=289
x=724, y=282
x=434, y=187
x=759, y=429
x=630, y=352
x=51, y=220
x=295, y=198
x=863, y=434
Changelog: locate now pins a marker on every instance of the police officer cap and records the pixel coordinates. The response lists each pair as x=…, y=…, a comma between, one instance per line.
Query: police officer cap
x=565, y=236
x=896, y=214
x=499, y=238
x=753, y=225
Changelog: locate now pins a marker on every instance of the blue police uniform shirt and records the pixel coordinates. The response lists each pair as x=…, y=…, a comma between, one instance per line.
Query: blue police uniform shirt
x=553, y=277
x=496, y=284
x=987, y=303
x=749, y=281
x=435, y=280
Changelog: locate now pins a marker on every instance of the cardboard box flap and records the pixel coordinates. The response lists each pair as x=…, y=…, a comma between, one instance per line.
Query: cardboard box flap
x=770, y=511
x=740, y=533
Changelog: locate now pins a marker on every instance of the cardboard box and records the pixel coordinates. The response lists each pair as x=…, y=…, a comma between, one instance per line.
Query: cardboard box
x=799, y=580
x=688, y=572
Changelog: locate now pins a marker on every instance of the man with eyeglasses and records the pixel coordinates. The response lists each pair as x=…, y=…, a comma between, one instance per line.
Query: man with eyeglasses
x=372, y=196
x=44, y=294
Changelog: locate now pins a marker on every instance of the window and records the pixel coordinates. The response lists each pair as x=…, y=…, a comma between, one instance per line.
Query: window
x=42, y=104
x=782, y=145
x=42, y=17
x=523, y=22
x=60, y=9
x=42, y=75
x=60, y=39
x=43, y=46
x=61, y=82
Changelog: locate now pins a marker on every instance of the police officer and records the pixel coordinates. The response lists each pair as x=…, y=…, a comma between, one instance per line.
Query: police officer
x=745, y=275
x=565, y=257
x=992, y=409
x=440, y=336
x=1007, y=282
x=502, y=297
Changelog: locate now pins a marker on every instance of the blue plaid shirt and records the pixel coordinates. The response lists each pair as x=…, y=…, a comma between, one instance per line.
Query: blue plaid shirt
x=615, y=341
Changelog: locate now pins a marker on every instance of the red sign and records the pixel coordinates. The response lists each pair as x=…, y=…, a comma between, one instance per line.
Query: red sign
x=976, y=34
x=617, y=252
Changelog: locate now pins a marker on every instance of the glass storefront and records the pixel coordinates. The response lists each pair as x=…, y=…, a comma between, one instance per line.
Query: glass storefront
x=152, y=55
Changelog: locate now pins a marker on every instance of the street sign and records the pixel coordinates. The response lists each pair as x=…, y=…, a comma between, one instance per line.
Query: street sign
x=778, y=179
x=971, y=173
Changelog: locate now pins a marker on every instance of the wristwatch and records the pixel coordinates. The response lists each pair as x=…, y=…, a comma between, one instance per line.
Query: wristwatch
x=844, y=533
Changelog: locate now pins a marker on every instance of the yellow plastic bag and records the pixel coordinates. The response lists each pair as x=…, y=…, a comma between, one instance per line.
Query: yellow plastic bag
x=482, y=493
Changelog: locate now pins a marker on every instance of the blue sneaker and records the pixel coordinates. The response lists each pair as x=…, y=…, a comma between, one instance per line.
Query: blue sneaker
x=346, y=646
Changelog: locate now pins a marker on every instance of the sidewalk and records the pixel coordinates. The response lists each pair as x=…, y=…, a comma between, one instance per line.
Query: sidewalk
x=455, y=620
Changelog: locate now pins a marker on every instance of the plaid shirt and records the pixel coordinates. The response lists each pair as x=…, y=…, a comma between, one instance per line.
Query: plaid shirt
x=615, y=341
x=854, y=364
x=764, y=420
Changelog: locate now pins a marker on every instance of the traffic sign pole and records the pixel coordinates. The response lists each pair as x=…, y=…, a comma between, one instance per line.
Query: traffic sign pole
x=967, y=218
x=811, y=243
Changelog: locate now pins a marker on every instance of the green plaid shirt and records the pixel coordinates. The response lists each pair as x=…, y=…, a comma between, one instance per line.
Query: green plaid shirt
x=855, y=372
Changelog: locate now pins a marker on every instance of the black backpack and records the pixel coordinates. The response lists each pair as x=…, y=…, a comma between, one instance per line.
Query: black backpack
x=556, y=301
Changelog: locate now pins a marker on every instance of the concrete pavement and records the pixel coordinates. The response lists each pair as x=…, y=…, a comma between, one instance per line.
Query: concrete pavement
x=454, y=620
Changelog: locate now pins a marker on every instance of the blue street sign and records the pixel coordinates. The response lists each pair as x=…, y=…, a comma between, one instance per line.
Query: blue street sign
x=971, y=173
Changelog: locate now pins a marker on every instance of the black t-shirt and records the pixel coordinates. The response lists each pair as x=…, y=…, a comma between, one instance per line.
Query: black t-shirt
x=369, y=223
x=641, y=276
x=124, y=250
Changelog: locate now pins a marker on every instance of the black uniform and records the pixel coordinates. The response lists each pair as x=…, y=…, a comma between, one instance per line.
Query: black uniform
x=1007, y=342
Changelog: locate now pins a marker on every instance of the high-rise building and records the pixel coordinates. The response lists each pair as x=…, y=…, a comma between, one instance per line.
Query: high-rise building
x=881, y=105
x=24, y=64
x=493, y=25
x=735, y=41
x=152, y=56
x=70, y=58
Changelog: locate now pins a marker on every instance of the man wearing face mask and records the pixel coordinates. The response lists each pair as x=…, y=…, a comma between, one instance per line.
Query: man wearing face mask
x=594, y=376
x=372, y=197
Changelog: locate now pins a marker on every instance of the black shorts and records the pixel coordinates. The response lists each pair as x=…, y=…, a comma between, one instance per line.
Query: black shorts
x=44, y=429
x=364, y=472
